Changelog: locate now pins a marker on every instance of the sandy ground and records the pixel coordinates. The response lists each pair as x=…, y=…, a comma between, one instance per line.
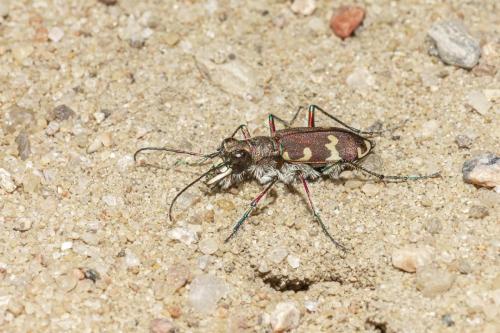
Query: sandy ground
x=185, y=74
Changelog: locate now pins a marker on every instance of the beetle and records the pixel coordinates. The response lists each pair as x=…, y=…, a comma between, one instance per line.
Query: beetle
x=289, y=155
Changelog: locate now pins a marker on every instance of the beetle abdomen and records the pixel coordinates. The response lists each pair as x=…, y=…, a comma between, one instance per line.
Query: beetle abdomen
x=321, y=146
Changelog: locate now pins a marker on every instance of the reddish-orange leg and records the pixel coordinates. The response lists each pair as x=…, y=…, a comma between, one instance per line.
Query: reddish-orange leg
x=317, y=217
x=247, y=213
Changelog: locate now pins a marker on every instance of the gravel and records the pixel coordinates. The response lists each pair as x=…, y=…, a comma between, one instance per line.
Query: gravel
x=482, y=170
x=453, y=44
x=286, y=316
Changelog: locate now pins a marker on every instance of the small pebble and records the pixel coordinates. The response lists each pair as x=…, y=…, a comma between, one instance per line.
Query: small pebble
x=183, y=235
x=177, y=276
x=67, y=282
x=134, y=33
x=360, y=79
x=15, y=307
x=478, y=212
x=478, y=101
x=482, y=170
x=204, y=261
x=311, y=306
x=278, y=254
x=453, y=44
x=286, y=316
x=464, y=141
x=447, y=320
x=52, y=128
x=410, y=259
x=23, y=145
x=174, y=311
x=464, y=266
x=61, y=112
x=4, y=9
x=131, y=260
x=17, y=118
x=31, y=183
x=162, y=325
x=303, y=7
x=56, y=34
x=171, y=39
x=205, y=292
x=346, y=20
x=432, y=281
x=95, y=145
x=66, y=245
x=99, y=116
x=293, y=261
x=208, y=246
x=264, y=267
x=6, y=181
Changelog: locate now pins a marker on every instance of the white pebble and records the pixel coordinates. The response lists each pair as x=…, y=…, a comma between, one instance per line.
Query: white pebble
x=204, y=261
x=208, y=246
x=278, y=254
x=286, y=316
x=66, y=245
x=52, y=128
x=311, y=306
x=293, y=261
x=183, y=235
x=264, y=267
x=304, y=7
x=205, y=291
x=478, y=101
x=6, y=182
x=56, y=34
x=95, y=145
x=409, y=259
x=131, y=260
x=99, y=117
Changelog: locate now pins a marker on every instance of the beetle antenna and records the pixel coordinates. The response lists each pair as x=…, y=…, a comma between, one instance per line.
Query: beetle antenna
x=172, y=150
x=189, y=185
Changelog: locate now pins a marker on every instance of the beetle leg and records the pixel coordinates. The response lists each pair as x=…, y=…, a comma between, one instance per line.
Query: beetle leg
x=313, y=108
x=247, y=213
x=317, y=217
x=244, y=130
x=386, y=177
x=287, y=124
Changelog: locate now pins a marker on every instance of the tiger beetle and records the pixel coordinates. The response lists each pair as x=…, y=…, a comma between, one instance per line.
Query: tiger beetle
x=293, y=154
